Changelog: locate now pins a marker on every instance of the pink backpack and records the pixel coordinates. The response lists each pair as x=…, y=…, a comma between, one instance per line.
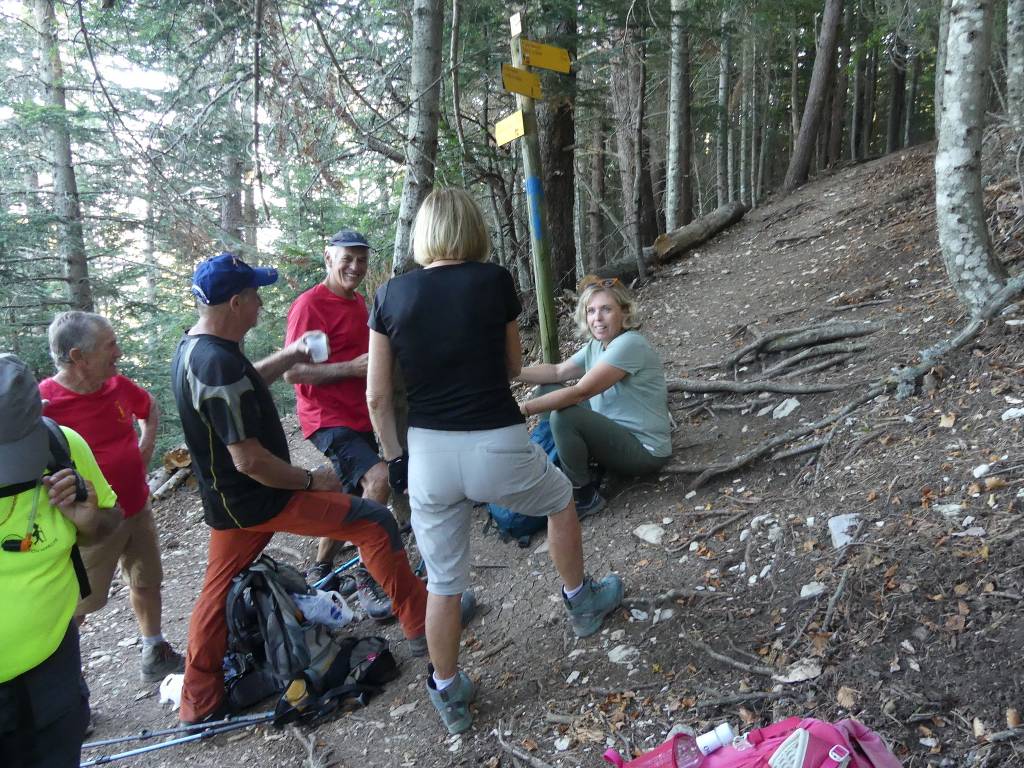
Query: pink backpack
x=806, y=743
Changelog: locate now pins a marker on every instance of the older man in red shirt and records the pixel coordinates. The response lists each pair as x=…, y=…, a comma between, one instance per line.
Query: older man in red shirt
x=90, y=396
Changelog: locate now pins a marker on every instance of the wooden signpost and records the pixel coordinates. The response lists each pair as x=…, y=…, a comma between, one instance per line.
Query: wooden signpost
x=523, y=124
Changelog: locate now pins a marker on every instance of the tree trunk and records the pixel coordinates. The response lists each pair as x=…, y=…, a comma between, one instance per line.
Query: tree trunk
x=870, y=93
x=824, y=62
x=638, y=161
x=556, y=129
x=908, y=118
x=835, y=143
x=744, y=184
x=1015, y=64
x=722, y=137
x=231, y=202
x=857, y=91
x=595, y=217
x=794, y=90
x=973, y=270
x=940, y=59
x=421, y=135
x=897, y=95
x=755, y=131
x=678, y=202
x=66, y=203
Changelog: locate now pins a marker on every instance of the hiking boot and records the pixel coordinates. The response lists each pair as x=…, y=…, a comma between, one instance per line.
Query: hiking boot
x=319, y=571
x=370, y=595
x=418, y=645
x=158, y=661
x=347, y=585
x=595, y=601
x=588, y=500
x=221, y=712
x=452, y=704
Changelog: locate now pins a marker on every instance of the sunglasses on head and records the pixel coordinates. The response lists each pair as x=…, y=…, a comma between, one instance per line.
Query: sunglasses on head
x=604, y=282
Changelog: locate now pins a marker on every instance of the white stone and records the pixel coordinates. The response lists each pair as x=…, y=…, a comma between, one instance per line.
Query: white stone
x=949, y=511
x=786, y=407
x=562, y=743
x=573, y=677
x=744, y=535
x=812, y=589
x=694, y=546
x=982, y=469
x=638, y=615
x=650, y=532
x=623, y=654
x=1012, y=413
x=403, y=710
x=841, y=528
x=617, y=635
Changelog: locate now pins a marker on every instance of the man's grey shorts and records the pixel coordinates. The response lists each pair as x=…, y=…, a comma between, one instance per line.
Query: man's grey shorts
x=449, y=471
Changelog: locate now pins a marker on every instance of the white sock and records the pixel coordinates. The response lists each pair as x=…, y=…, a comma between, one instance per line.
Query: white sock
x=440, y=683
x=571, y=593
x=154, y=640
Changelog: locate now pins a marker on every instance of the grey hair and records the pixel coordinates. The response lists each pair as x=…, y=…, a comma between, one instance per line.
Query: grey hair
x=71, y=330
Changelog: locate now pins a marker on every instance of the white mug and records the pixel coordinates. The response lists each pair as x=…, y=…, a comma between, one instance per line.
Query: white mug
x=316, y=345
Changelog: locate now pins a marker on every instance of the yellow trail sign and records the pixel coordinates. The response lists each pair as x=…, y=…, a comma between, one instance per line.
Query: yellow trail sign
x=509, y=128
x=520, y=81
x=545, y=56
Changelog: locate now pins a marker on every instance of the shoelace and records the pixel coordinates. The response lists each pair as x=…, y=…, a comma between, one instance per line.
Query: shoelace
x=373, y=588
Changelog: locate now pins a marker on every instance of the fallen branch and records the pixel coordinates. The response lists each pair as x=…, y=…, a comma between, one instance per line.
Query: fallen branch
x=177, y=479
x=1008, y=735
x=787, y=437
x=741, y=698
x=834, y=601
x=516, y=752
x=670, y=597
x=754, y=669
x=836, y=347
x=707, y=535
x=702, y=385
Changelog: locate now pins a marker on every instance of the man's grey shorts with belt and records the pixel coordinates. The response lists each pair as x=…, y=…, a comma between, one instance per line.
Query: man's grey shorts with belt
x=450, y=471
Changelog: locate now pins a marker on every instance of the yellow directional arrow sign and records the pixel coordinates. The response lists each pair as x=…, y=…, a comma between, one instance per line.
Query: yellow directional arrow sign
x=545, y=56
x=520, y=81
x=509, y=128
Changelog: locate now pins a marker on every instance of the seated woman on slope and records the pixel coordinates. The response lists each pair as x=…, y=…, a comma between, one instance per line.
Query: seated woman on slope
x=627, y=427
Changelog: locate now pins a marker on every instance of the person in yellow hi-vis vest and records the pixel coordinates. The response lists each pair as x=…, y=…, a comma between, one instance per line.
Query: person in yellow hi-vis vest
x=44, y=515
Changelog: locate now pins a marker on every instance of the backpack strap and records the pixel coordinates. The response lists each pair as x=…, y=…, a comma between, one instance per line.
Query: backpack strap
x=60, y=458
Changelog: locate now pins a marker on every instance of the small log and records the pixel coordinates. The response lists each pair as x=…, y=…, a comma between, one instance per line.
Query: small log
x=158, y=478
x=176, y=480
x=672, y=244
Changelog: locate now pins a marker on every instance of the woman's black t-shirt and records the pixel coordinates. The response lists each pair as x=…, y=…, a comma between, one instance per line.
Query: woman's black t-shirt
x=447, y=329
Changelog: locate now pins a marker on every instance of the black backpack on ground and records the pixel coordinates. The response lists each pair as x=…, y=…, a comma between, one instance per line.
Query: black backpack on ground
x=272, y=648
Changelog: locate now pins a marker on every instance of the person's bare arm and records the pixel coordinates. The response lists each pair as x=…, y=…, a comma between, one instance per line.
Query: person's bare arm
x=550, y=373
x=380, y=395
x=93, y=522
x=252, y=459
x=599, y=378
x=327, y=373
x=273, y=366
x=147, y=432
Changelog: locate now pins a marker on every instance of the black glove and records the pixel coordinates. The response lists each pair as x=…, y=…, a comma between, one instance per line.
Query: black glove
x=398, y=473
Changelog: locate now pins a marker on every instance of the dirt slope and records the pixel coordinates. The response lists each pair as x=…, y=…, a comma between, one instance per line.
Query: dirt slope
x=924, y=610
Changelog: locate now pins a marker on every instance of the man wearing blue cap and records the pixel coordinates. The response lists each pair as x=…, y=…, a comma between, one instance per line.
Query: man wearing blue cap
x=331, y=395
x=247, y=483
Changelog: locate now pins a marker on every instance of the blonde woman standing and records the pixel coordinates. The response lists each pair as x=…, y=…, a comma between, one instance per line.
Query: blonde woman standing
x=452, y=328
x=617, y=411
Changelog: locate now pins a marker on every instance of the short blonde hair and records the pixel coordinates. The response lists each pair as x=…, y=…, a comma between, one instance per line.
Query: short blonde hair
x=591, y=286
x=449, y=225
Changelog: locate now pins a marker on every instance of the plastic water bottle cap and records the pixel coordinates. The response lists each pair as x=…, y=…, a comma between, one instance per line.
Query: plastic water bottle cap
x=712, y=740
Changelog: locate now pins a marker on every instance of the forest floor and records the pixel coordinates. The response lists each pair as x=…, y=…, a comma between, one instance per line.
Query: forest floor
x=916, y=628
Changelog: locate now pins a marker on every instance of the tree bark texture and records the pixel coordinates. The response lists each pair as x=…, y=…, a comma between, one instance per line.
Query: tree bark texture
x=556, y=129
x=910, y=107
x=794, y=90
x=595, y=217
x=940, y=60
x=421, y=136
x=745, y=80
x=897, y=95
x=835, y=136
x=975, y=273
x=67, y=205
x=678, y=203
x=722, y=138
x=638, y=162
x=625, y=87
x=1015, y=64
x=824, y=62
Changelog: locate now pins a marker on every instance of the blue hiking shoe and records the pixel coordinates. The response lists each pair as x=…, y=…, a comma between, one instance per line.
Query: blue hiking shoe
x=467, y=610
x=595, y=601
x=588, y=500
x=452, y=704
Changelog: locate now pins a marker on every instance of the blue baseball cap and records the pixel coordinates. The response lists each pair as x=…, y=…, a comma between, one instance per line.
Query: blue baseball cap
x=348, y=237
x=225, y=275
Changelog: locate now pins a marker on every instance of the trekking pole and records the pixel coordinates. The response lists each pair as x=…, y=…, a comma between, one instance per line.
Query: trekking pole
x=145, y=733
x=343, y=567
x=208, y=733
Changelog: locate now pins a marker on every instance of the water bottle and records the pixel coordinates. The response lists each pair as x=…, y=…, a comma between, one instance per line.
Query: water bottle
x=690, y=751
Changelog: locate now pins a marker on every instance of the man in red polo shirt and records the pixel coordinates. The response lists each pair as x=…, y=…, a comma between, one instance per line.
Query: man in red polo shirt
x=91, y=397
x=331, y=396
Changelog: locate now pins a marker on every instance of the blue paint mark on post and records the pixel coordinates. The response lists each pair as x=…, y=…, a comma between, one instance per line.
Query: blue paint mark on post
x=535, y=197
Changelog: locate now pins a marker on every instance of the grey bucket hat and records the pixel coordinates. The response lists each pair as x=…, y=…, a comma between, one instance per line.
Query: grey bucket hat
x=24, y=444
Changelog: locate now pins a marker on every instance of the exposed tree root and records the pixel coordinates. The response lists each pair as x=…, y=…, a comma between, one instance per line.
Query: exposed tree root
x=838, y=347
x=799, y=336
x=700, y=385
x=516, y=752
x=755, y=669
